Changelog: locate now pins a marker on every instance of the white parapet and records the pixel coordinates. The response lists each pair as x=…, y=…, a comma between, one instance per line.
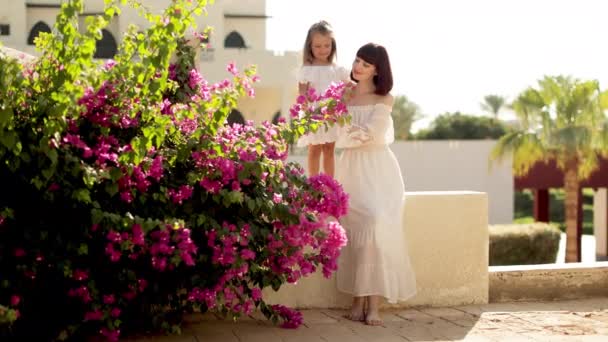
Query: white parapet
x=447, y=235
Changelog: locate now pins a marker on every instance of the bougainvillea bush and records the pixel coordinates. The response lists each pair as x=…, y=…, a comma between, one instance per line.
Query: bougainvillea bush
x=125, y=199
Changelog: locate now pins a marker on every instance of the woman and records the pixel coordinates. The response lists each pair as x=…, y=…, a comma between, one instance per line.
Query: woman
x=375, y=262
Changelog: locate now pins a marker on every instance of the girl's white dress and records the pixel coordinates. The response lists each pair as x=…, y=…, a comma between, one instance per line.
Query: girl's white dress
x=320, y=77
x=375, y=261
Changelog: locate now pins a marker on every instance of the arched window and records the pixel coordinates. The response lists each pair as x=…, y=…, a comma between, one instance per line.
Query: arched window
x=276, y=117
x=40, y=26
x=234, y=40
x=235, y=117
x=106, y=47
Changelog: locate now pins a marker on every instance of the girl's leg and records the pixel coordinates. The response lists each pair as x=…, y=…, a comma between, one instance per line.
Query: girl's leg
x=357, y=310
x=372, y=316
x=314, y=159
x=329, y=163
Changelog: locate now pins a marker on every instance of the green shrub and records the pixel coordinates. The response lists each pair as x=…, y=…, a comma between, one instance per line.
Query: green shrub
x=524, y=208
x=523, y=244
x=125, y=200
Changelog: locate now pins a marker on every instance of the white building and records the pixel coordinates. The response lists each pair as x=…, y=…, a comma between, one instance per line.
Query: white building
x=239, y=35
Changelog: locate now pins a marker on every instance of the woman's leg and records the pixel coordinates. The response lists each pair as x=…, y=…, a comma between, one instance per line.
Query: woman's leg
x=314, y=159
x=329, y=163
x=372, y=317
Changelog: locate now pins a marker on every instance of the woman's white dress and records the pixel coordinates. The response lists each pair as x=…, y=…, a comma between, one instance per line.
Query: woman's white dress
x=320, y=77
x=375, y=260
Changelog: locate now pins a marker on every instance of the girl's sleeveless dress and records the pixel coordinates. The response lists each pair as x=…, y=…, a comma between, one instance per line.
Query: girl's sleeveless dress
x=320, y=77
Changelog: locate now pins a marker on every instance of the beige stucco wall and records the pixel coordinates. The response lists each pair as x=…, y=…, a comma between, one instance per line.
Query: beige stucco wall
x=13, y=14
x=443, y=165
x=435, y=165
x=243, y=6
x=447, y=237
x=249, y=29
x=266, y=103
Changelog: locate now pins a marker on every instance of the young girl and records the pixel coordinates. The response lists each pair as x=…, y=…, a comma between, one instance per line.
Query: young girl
x=319, y=71
x=375, y=262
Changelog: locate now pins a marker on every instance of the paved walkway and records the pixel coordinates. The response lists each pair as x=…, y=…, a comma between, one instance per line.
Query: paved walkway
x=576, y=320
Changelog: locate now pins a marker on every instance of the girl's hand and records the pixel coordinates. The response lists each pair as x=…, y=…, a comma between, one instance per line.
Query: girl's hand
x=303, y=88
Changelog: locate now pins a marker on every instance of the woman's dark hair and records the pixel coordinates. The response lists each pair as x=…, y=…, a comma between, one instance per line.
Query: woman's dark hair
x=377, y=56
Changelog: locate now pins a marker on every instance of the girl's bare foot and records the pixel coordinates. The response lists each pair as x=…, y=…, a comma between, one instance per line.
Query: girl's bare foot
x=357, y=311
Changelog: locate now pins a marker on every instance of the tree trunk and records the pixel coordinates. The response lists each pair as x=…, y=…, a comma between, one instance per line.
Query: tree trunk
x=571, y=204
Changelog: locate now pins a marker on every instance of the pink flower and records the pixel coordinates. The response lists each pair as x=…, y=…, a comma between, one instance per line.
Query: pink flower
x=256, y=294
x=142, y=284
x=331, y=198
x=291, y=318
x=96, y=315
x=277, y=198
x=156, y=169
x=126, y=196
x=109, y=64
x=115, y=312
x=138, y=235
x=80, y=275
x=15, y=300
x=19, y=252
x=232, y=68
x=110, y=335
x=109, y=299
x=247, y=254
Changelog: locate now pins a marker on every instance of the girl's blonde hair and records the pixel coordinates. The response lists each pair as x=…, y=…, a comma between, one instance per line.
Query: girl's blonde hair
x=324, y=28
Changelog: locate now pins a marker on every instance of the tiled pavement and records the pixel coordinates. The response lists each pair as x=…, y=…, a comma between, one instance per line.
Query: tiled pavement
x=575, y=320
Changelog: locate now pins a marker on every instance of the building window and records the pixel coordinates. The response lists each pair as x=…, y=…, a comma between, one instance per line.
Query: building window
x=106, y=47
x=276, y=117
x=39, y=27
x=234, y=40
x=5, y=30
x=235, y=117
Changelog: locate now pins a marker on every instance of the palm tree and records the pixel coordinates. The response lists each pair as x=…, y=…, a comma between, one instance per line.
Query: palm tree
x=404, y=114
x=564, y=120
x=493, y=104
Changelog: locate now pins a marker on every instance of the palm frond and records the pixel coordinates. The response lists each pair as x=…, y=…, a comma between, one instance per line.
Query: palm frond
x=588, y=163
x=571, y=139
x=525, y=148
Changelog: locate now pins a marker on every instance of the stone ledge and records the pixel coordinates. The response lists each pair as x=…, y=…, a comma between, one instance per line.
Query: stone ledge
x=548, y=282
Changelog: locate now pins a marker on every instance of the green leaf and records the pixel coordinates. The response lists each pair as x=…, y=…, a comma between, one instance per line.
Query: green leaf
x=6, y=115
x=112, y=188
x=8, y=139
x=232, y=197
x=82, y=195
x=83, y=249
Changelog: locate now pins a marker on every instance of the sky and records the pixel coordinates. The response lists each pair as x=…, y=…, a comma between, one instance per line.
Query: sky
x=446, y=55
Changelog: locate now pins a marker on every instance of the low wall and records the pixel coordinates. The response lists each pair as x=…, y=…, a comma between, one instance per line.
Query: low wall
x=548, y=282
x=447, y=236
